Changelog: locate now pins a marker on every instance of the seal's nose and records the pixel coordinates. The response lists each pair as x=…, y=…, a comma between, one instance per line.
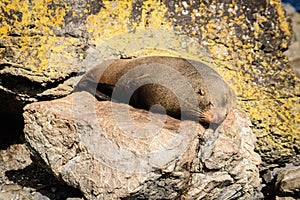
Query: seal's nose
x=206, y=117
x=214, y=116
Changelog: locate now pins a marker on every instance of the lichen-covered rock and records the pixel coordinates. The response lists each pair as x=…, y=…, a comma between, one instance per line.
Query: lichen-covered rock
x=111, y=150
x=44, y=45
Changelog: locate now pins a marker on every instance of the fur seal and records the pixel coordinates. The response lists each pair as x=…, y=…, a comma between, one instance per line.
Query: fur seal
x=185, y=88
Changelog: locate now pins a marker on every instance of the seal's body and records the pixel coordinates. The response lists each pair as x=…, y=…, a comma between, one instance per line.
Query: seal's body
x=184, y=88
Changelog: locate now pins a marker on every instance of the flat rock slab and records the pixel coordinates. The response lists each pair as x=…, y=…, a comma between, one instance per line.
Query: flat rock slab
x=111, y=150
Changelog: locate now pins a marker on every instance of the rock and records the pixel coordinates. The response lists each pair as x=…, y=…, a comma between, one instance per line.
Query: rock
x=281, y=182
x=22, y=178
x=111, y=150
x=293, y=52
x=289, y=8
x=288, y=181
x=15, y=195
x=46, y=46
x=74, y=199
x=13, y=158
x=284, y=198
x=42, y=59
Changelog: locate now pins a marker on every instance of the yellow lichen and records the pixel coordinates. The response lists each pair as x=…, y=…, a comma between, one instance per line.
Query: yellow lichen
x=114, y=20
x=35, y=23
x=284, y=25
x=153, y=15
x=110, y=21
x=275, y=117
x=35, y=17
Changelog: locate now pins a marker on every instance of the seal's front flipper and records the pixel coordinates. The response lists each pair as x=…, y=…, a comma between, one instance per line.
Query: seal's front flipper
x=86, y=85
x=101, y=96
x=102, y=93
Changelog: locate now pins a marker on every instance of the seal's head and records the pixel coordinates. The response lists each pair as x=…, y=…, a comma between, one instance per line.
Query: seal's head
x=220, y=102
x=215, y=97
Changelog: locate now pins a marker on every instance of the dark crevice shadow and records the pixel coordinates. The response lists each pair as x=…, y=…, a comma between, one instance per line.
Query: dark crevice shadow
x=11, y=129
x=12, y=121
x=35, y=176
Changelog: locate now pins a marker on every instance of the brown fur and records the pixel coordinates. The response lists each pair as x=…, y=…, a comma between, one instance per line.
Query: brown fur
x=183, y=87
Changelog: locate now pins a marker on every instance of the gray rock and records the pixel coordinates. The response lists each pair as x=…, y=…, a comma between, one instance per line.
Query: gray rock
x=14, y=195
x=22, y=178
x=289, y=8
x=39, y=196
x=288, y=181
x=293, y=51
x=111, y=150
x=75, y=199
x=13, y=158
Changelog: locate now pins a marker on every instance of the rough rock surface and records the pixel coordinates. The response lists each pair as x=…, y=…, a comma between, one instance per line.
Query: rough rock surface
x=282, y=182
x=21, y=159
x=293, y=52
x=45, y=45
x=112, y=150
x=22, y=178
x=288, y=181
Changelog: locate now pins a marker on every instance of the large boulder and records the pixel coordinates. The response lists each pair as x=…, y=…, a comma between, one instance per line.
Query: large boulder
x=112, y=150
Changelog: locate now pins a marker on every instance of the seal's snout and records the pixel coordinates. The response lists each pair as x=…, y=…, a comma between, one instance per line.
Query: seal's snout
x=206, y=117
x=213, y=116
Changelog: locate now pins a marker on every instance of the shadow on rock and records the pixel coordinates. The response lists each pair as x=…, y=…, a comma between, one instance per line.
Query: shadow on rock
x=281, y=182
x=11, y=131
x=34, y=176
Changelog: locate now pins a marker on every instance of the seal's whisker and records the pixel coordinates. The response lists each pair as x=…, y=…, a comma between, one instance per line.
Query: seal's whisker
x=199, y=113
